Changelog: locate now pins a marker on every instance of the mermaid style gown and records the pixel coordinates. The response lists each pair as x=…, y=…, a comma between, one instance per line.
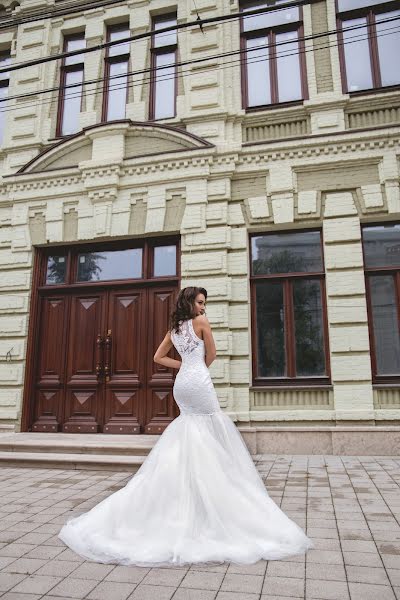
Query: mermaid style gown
x=197, y=497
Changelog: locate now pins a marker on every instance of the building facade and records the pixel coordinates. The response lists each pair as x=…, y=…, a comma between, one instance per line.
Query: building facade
x=257, y=156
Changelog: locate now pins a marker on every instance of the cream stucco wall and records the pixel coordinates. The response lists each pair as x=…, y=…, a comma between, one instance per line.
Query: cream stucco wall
x=330, y=163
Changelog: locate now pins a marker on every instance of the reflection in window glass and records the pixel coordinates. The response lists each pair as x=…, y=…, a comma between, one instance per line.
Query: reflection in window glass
x=164, y=261
x=382, y=245
x=164, y=89
x=116, y=102
x=385, y=324
x=72, y=103
x=258, y=80
x=56, y=269
x=388, y=38
x=269, y=19
x=270, y=330
x=353, y=4
x=168, y=38
x=357, y=57
x=107, y=265
x=288, y=66
x=287, y=253
x=310, y=354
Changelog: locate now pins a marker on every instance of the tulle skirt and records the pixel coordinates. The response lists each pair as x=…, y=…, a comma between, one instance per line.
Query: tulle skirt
x=196, y=498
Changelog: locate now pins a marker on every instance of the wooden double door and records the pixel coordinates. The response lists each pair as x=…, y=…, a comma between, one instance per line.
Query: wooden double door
x=94, y=370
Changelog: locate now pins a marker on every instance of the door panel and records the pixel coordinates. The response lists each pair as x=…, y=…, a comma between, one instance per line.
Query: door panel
x=84, y=393
x=161, y=408
x=125, y=390
x=50, y=371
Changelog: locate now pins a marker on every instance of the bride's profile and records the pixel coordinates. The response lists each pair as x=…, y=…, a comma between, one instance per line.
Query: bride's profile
x=198, y=496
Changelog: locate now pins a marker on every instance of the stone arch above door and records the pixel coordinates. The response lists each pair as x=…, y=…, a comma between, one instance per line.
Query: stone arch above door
x=116, y=142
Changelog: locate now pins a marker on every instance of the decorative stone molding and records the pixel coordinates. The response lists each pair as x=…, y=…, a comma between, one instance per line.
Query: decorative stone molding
x=292, y=398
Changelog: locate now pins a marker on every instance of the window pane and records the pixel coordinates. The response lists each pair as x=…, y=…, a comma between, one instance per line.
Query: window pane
x=287, y=253
x=164, y=261
x=389, y=47
x=385, y=325
x=269, y=19
x=118, y=49
x=75, y=44
x=72, y=103
x=5, y=60
x=288, y=65
x=112, y=264
x=168, y=38
x=270, y=323
x=258, y=81
x=357, y=57
x=56, y=269
x=3, y=108
x=352, y=4
x=116, y=102
x=164, y=105
x=309, y=336
x=382, y=245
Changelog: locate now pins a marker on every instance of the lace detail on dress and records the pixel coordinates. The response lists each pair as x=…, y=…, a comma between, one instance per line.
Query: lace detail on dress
x=186, y=340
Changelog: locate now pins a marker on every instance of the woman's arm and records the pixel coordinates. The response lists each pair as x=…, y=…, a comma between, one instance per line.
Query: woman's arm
x=211, y=352
x=161, y=357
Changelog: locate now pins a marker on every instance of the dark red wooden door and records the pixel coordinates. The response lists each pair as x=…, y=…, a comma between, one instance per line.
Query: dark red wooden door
x=95, y=368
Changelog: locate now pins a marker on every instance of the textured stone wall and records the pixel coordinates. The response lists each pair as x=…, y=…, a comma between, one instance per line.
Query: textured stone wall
x=331, y=163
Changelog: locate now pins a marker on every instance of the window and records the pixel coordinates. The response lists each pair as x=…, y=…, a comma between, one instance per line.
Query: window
x=367, y=52
x=273, y=66
x=116, y=74
x=163, y=69
x=288, y=304
x=5, y=60
x=382, y=270
x=70, y=98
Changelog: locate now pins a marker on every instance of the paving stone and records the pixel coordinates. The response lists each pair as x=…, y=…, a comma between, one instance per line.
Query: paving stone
x=171, y=577
x=111, y=589
x=325, y=572
x=152, y=592
x=36, y=584
x=9, y=580
x=192, y=594
x=283, y=586
x=45, y=552
x=394, y=576
x=58, y=568
x=363, y=574
x=16, y=550
x=234, y=582
x=284, y=569
x=369, y=591
x=331, y=557
x=127, y=574
x=202, y=580
x=24, y=565
x=91, y=570
x=235, y=596
x=74, y=588
x=362, y=559
x=257, y=568
x=331, y=590
x=17, y=596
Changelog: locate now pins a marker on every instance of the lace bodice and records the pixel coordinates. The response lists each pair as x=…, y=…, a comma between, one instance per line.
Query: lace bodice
x=186, y=341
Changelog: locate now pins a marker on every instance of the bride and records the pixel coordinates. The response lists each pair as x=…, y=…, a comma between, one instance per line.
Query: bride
x=197, y=497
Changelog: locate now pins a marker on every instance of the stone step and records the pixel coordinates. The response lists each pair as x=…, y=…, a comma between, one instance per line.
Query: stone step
x=53, y=460
x=70, y=443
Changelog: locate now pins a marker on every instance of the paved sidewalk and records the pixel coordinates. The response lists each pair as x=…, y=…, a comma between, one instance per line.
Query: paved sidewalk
x=349, y=506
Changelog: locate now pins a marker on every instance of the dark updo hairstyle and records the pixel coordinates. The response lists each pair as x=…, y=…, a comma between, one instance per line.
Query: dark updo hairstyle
x=184, y=308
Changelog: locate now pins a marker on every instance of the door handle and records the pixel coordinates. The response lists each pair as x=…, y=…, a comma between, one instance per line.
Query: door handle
x=99, y=356
x=107, y=363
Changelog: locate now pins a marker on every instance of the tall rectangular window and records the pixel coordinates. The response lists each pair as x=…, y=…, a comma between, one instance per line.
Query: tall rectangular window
x=5, y=60
x=70, y=98
x=367, y=51
x=273, y=65
x=164, y=49
x=382, y=270
x=288, y=309
x=116, y=74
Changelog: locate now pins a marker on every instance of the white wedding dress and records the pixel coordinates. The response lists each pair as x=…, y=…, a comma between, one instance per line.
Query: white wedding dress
x=197, y=497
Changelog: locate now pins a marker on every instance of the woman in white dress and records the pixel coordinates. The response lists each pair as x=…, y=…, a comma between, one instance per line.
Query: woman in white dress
x=197, y=497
